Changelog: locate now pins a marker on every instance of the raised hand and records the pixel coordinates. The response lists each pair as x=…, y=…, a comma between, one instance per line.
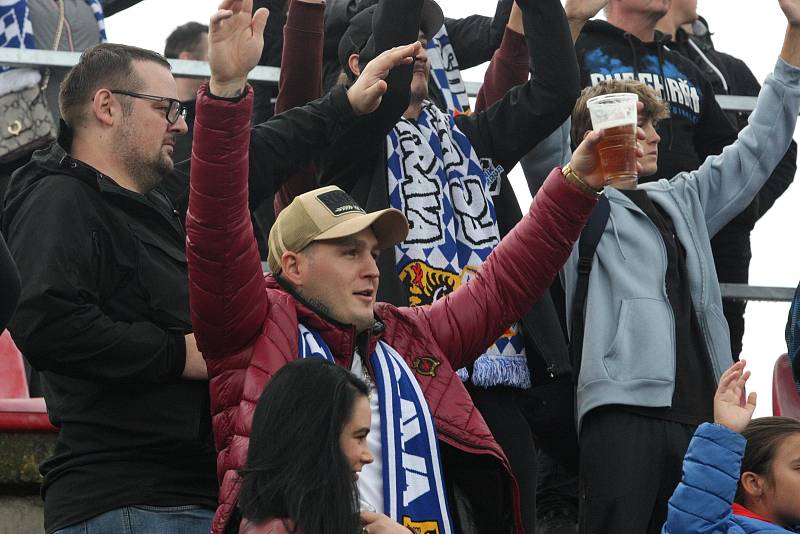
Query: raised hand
x=586, y=158
x=235, y=41
x=791, y=8
x=366, y=93
x=730, y=409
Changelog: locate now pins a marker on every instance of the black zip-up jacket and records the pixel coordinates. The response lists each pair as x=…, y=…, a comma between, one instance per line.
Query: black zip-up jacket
x=103, y=313
x=9, y=284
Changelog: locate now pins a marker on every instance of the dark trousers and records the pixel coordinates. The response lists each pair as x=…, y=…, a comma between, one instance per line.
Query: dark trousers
x=629, y=466
x=521, y=421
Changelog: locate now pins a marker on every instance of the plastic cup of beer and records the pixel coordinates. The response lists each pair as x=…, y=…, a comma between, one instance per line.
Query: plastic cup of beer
x=616, y=114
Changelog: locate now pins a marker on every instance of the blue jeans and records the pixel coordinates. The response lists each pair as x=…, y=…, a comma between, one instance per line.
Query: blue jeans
x=143, y=519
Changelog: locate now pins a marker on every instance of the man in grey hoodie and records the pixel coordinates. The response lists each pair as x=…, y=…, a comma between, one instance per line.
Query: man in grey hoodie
x=655, y=339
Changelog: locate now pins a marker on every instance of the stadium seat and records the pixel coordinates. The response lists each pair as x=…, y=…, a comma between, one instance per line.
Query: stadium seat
x=18, y=412
x=785, y=398
x=13, y=384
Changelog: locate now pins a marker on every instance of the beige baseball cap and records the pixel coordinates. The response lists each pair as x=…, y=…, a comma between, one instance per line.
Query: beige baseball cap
x=329, y=213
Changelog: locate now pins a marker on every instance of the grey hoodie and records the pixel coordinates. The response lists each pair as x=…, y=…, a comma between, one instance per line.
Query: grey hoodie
x=629, y=339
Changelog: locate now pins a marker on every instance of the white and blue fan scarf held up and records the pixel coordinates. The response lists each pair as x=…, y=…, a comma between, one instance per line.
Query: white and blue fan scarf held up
x=16, y=31
x=413, y=482
x=445, y=72
x=437, y=180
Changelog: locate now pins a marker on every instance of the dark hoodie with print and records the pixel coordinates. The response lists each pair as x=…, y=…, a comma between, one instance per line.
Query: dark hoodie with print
x=696, y=129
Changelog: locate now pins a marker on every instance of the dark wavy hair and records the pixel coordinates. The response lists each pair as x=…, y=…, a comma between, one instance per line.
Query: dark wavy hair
x=764, y=436
x=295, y=466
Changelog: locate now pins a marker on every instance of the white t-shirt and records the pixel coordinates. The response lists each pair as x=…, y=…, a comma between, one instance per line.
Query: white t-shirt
x=370, y=481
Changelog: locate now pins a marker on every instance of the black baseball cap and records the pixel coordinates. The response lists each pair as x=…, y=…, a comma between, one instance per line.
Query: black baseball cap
x=358, y=37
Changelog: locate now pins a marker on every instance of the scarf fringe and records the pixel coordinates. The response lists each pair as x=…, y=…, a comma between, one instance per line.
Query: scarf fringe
x=500, y=371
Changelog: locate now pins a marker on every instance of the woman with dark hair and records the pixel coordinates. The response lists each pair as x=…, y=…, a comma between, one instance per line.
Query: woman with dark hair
x=739, y=476
x=308, y=444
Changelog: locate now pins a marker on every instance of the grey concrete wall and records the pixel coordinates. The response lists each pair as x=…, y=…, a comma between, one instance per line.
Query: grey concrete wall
x=21, y=515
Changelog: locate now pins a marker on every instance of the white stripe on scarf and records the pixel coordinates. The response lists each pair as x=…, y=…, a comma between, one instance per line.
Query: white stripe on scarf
x=424, y=500
x=437, y=180
x=446, y=73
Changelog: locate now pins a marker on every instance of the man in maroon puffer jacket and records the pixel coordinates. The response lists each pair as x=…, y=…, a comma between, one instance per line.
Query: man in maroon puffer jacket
x=320, y=299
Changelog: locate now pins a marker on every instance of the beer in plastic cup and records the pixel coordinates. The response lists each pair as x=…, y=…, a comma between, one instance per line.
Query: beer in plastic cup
x=616, y=114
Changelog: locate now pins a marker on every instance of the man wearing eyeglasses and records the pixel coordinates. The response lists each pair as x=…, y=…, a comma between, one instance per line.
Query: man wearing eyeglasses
x=104, y=312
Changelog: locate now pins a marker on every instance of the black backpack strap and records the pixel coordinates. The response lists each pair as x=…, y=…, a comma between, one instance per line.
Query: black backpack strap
x=587, y=245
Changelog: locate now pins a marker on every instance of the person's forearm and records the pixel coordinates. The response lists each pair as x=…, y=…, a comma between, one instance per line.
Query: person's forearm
x=790, y=52
x=516, y=274
x=301, y=65
x=508, y=68
x=575, y=28
x=225, y=273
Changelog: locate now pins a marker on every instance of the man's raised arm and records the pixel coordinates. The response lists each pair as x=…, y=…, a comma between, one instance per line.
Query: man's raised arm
x=528, y=113
x=525, y=262
x=225, y=280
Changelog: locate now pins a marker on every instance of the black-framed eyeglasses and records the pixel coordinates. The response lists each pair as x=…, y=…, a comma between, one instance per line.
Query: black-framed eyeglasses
x=173, y=111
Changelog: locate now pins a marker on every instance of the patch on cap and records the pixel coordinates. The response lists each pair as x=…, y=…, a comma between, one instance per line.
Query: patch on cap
x=339, y=203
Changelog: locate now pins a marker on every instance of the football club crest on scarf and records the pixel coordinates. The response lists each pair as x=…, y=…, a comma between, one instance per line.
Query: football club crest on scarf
x=413, y=479
x=439, y=183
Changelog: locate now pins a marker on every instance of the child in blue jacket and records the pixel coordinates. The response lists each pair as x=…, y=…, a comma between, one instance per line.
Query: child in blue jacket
x=739, y=476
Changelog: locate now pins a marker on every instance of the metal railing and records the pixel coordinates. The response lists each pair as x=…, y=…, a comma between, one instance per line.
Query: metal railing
x=199, y=69
x=180, y=67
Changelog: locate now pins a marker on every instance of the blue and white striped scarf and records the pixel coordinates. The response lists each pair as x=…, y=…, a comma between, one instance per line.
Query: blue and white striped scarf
x=413, y=480
x=446, y=74
x=16, y=30
x=437, y=180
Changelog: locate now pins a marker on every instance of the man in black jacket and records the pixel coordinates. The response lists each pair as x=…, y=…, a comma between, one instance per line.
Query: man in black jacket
x=728, y=76
x=104, y=309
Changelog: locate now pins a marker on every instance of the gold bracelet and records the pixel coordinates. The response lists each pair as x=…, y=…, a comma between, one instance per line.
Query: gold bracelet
x=578, y=182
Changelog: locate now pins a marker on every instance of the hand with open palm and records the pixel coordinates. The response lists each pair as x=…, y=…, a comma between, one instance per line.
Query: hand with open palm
x=235, y=41
x=730, y=407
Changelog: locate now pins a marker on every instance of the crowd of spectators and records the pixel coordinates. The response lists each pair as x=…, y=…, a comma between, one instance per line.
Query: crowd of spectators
x=318, y=307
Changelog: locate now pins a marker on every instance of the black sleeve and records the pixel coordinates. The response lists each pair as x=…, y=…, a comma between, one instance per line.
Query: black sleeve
x=715, y=130
x=60, y=324
x=779, y=181
x=395, y=23
x=294, y=138
x=528, y=113
x=9, y=285
x=112, y=7
x=475, y=38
